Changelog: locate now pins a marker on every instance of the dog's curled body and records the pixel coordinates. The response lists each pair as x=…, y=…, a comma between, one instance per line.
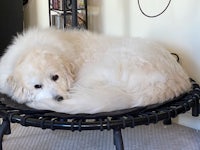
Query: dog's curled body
x=91, y=73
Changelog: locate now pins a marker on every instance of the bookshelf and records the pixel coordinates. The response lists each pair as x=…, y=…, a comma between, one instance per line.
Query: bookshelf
x=68, y=14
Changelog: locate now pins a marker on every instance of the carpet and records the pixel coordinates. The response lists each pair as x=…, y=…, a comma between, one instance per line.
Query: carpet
x=152, y=137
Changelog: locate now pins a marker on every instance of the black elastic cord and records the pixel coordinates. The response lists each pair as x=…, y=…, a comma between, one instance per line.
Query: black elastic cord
x=152, y=16
x=177, y=57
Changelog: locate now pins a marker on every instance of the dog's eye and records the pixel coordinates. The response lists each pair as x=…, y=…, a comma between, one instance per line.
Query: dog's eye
x=38, y=86
x=55, y=77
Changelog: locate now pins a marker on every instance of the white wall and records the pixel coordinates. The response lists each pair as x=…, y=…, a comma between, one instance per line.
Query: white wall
x=36, y=13
x=177, y=28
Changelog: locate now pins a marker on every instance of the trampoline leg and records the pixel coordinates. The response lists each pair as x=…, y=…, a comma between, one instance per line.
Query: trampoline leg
x=4, y=129
x=196, y=109
x=118, y=140
x=167, y=121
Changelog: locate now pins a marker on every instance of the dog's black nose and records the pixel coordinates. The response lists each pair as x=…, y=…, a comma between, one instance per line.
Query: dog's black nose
x=59, y=98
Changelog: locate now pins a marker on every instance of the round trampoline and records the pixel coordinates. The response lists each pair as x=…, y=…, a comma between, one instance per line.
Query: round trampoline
x=12, y=112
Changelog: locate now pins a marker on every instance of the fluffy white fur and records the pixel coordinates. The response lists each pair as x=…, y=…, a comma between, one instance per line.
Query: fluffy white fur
x=95, y=73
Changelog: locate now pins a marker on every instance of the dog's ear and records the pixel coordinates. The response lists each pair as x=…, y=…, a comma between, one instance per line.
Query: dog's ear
x=16, y=90
x=70, y=69
x=13, y=85
x=11, y=82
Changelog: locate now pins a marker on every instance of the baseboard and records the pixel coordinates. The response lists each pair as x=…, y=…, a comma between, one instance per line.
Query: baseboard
x=188, y=120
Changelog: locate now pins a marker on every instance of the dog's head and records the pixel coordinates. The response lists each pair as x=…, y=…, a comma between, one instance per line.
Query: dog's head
x=41, y=75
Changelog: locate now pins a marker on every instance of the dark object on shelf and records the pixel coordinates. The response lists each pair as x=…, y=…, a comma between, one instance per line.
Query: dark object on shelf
x=68, y=14
x=12, y=112
x=11, y=15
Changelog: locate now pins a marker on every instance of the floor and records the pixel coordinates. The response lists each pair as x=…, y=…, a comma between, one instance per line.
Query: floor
x=152, y=137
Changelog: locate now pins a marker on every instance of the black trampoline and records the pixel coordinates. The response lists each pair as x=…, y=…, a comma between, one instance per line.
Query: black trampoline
x=11, y=112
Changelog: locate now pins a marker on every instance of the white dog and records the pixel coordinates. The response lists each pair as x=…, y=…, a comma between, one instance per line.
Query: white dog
x=81, y=72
